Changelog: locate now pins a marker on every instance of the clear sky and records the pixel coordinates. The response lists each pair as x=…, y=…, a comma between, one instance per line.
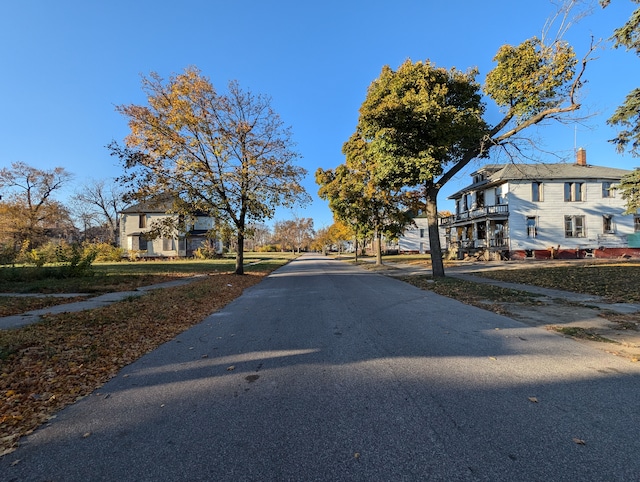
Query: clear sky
x=67, y=63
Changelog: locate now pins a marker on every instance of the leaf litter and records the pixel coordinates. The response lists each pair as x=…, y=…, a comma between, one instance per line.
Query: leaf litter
x=49, y=365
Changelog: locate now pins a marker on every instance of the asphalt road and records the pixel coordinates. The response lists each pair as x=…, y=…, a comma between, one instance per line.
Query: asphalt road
x=325, y=371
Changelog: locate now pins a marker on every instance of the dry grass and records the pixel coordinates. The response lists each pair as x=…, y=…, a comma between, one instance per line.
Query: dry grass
x=616, y=282
x=487, y=297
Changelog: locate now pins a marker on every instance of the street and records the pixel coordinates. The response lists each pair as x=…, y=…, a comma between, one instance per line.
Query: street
x=326, y=371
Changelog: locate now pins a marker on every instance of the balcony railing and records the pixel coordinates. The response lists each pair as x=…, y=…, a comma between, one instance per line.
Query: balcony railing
x=486, y=211
x=498, y=243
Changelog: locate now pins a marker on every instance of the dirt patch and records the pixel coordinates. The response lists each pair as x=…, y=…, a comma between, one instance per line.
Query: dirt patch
x=604, y=330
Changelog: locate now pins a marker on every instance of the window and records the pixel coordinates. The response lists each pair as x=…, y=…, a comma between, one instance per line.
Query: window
x=574, y=226
x=636, y=224
x=606, y=189
x=467, y=202
x=499, y=198
x=422, y=233
x=536, y=191
x=481, y=230
x=142, y=221
x=167, y=244
x=480, y=198
x=532, y=227
x=607, y=223
x=139, y=243
x=573, y=191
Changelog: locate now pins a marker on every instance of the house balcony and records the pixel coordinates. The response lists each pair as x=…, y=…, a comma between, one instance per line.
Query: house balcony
x=497, y=211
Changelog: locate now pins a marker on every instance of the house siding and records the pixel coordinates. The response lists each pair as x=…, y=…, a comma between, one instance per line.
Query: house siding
x=533, y=217
x=550, y=215
x=178, y=245
x=415, y=239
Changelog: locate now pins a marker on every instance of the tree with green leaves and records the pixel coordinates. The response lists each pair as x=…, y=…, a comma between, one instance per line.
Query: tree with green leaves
x=356, y=198
x=627, y=116
x=629, y=188
x=226, y=155
x=424, y=123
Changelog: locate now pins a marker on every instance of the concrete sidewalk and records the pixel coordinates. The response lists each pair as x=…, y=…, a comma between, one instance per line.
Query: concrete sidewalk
x=33, y=316
x=554, y=307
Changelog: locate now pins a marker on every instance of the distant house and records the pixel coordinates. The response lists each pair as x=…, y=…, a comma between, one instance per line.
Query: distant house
x=139, y=219
x=415, y=238
x=542, y=211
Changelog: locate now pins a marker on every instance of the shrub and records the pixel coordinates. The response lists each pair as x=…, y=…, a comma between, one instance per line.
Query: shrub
x=73, y=261
x=7, y=254
x=206, y=252
x=135, y=254
x=105, y=251
x=78, y=264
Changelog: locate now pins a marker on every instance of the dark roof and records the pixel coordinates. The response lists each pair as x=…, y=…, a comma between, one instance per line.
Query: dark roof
x=499, y=173
x=160, y=205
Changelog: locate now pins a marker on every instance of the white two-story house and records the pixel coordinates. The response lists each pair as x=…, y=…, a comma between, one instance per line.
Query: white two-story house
x=140, y=218
x=543, y=211
x=415, y=238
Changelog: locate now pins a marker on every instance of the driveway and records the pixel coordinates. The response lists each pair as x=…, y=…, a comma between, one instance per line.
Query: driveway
x=325, y=371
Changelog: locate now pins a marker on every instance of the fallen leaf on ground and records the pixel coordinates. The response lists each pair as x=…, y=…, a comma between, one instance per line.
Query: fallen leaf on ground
x=68, y=356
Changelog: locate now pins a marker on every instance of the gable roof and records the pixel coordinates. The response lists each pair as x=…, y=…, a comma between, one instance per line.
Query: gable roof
x=496, y=174
x=511, y=172
x=161, y=205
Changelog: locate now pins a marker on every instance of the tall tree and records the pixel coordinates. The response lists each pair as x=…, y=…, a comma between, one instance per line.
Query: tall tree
x=29, y=195
x=303, y=233
x=425, y=123
x=627, y=116
x=357, y=198
x=228, y=155
x=101, y=201
x=258, y=235
x=294, y=234
x=629, y=188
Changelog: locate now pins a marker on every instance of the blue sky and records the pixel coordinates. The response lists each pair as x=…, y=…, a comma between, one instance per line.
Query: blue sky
x=66, y=64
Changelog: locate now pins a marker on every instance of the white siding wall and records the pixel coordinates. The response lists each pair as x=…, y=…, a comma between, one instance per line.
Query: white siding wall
x=550, y=213
x=412, y=241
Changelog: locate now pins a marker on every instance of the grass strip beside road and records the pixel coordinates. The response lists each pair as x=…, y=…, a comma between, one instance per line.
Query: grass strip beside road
x=616, y=282
x=126, y=276
x=487, y=297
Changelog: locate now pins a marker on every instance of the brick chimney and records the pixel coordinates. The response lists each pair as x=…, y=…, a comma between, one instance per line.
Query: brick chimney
x=581, y=157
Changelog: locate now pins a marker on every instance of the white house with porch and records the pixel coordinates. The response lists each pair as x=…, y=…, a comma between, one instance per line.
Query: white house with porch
x=541, y=211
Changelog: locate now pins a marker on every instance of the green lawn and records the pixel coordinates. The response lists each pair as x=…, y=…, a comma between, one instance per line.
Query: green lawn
x=125, y=275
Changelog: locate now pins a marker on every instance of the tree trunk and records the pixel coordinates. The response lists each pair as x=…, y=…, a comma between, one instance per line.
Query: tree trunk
x=356, y=244
x=240, y=253
x=437, y=267
x=378, y=242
